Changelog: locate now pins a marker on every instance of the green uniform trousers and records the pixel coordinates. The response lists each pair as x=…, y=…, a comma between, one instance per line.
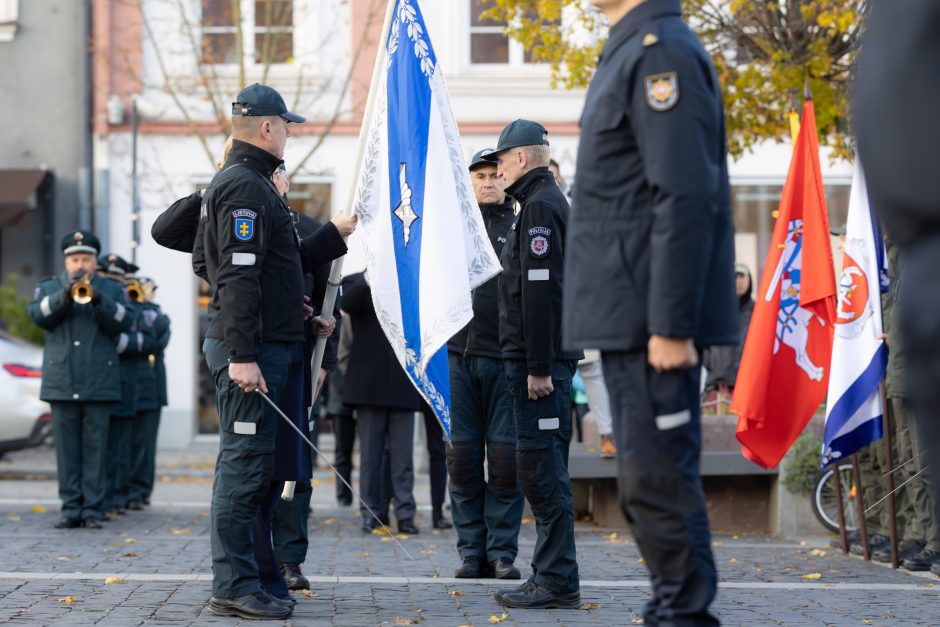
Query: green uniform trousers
x=81, y=439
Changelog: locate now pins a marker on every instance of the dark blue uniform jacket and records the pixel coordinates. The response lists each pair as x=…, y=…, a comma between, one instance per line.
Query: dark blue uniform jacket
x=651, y=239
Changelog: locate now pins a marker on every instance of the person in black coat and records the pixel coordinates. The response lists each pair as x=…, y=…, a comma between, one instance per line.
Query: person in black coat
x=898, y=143
x=288, y=529
x=385, y=402
x=539, y=370
x=721, y=362
x=650, y=280
x=485, y=496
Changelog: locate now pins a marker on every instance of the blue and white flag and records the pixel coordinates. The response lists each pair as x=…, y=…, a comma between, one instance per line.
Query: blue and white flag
x=424, y=239
x=859, y=356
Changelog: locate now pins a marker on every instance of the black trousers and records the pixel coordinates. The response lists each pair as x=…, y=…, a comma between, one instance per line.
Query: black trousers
x=344, y=431
x=657, y=429
x=437, y=455
x=244, y=469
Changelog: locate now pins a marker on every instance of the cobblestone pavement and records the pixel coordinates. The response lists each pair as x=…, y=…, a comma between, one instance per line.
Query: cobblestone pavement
x=153, y=568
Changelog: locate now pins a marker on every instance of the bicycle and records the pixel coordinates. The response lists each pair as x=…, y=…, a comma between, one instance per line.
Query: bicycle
x=824, y=499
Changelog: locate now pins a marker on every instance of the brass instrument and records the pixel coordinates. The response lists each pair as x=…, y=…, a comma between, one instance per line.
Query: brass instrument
x=134, y=291
x=81, y=291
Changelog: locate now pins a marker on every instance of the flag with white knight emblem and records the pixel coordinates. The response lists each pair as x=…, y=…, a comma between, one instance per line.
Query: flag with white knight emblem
x=859, y=356
x=424, y=239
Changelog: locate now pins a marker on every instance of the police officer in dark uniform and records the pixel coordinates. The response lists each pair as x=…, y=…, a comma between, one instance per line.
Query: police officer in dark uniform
x=82, y=315
x=254, y=261
x=487, y=510
x=650, y=280
x=113, y=269
x=286, y=528
x=538, y=369
x=154, y=331
x=161, y=328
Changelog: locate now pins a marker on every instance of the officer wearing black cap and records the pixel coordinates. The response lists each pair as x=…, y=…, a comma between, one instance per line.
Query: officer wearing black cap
x=487, y=509
x=113, y=269
x=254, y=261
x=82, y=315
x=539, y=371
x=157, y=324
x=650, y=280
x=146, y=399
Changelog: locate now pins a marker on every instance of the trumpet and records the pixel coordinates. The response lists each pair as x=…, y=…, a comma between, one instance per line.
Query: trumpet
x=81, y=291
x=134, y=291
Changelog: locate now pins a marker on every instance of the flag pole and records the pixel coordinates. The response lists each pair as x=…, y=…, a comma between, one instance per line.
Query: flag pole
x=336, y=269
x=892, y=503
x=860, y=506
x=840, y=511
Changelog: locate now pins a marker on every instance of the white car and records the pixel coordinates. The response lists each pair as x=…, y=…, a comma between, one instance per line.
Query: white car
x=24, y=419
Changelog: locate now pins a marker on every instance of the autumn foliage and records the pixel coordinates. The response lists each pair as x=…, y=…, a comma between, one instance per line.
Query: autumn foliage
x=765, y=51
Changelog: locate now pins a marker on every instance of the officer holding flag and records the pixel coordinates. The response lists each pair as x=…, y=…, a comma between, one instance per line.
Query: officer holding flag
x=254, y=260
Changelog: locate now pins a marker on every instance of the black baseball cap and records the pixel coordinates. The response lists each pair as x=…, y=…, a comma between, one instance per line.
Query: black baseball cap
x=258, y=100
x=480, y=159
x=516, y=134
x=80, y=242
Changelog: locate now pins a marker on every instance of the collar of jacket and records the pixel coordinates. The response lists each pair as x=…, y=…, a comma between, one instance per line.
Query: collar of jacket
x=521, y=189
x=255, y=158
x=632, y=21
x=489, y=209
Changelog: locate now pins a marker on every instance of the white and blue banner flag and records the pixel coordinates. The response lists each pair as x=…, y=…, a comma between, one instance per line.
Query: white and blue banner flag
x=859, y=356
x=423, y=236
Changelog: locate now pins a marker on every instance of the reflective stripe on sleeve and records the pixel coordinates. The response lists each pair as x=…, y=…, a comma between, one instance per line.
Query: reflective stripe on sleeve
x=119, y=314
x=122, y=343
x=243, y=259
x=44, y=307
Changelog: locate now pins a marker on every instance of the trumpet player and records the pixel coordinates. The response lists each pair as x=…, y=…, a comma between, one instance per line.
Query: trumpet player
x=133, y=346
x=151, y=399
x=82, y=315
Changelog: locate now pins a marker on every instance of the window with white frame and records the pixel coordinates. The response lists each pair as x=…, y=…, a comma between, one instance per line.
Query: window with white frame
x=255, y=31
x=9, y=18
x=489, y=44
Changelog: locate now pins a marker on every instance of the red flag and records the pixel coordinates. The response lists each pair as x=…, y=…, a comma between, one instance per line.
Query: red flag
x=784, y=372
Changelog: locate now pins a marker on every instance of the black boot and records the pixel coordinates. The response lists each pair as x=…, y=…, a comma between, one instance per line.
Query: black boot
x=438, y=519
x=294, y=578
x=502, y=568
x=407, y=526
x=473, y=567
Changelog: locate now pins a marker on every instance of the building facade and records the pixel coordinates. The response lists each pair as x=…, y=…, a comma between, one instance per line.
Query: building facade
x=45, y=185
x=183, y=61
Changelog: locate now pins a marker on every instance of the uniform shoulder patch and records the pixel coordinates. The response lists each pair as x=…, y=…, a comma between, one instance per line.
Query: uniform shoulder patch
x=540, y=238
x=662, y=91
x=243, y=226
x=149, y=316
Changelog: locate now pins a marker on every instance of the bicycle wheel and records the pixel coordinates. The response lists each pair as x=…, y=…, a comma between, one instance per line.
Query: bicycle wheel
x=824, y=499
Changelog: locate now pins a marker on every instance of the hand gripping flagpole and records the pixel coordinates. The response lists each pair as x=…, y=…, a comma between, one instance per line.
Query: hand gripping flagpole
x=332, y=467
x=336, y=270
